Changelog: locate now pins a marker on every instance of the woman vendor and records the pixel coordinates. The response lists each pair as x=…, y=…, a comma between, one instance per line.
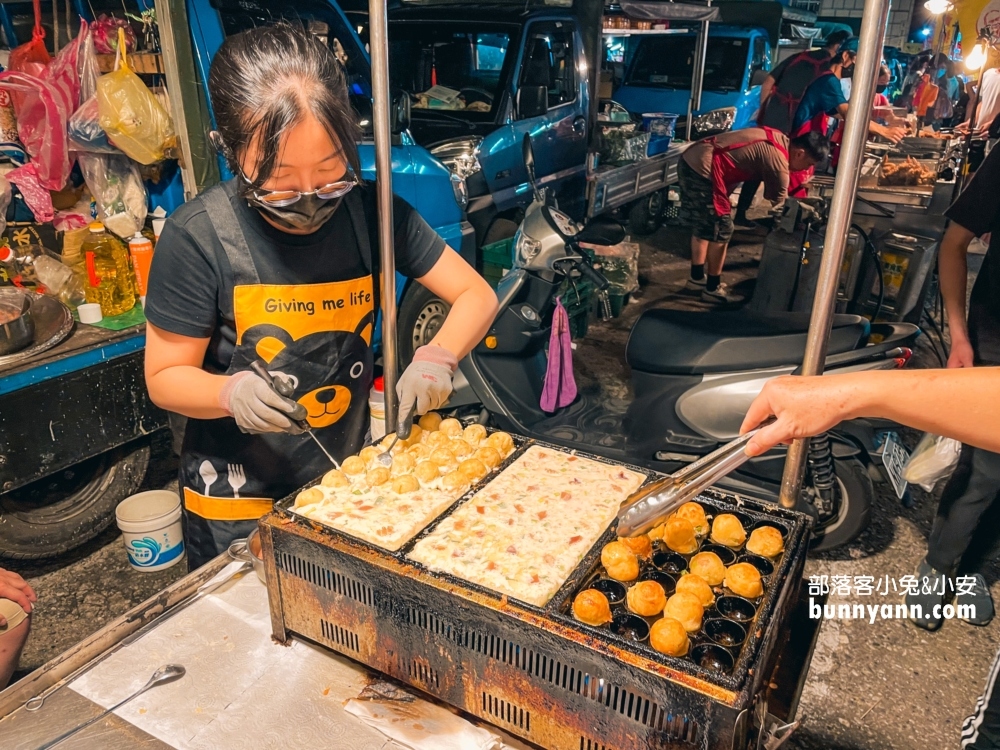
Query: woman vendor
x=280, y=265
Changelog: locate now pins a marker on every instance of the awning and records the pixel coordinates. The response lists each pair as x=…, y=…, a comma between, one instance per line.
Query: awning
x=650, y=10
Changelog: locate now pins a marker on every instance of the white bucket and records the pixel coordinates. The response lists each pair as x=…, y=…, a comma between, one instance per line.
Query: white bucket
x=151, y=527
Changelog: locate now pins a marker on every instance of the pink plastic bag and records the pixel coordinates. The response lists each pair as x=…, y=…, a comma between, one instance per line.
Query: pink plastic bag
x=44, y=104
x=36, y=195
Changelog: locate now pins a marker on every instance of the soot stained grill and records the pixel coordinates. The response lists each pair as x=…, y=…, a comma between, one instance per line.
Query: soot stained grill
x=533, y=671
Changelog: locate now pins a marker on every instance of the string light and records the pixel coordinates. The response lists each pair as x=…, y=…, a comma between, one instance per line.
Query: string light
x=937, y=7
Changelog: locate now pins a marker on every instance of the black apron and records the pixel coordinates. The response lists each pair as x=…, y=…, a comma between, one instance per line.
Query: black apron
x=319, y=335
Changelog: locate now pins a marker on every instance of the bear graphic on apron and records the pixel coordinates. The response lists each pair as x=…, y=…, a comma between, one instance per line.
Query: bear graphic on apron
x=316, y=335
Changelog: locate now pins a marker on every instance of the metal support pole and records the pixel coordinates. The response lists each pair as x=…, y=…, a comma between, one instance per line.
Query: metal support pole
x=379, y=52
x=697, y=74
x=841, y=207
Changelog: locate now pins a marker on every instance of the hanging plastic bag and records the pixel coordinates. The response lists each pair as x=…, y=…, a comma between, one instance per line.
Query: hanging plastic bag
x=933, y=458
x=32, y=56
x=117, y=188
x=130, y=114
x=85, y=131
x=106, y=37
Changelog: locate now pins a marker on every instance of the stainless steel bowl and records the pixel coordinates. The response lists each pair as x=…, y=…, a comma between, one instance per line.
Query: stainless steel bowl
x=249, y=550
x=17, y=328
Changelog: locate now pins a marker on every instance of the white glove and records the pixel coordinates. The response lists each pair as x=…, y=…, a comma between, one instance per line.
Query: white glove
x=257, y=408
x=427, y=381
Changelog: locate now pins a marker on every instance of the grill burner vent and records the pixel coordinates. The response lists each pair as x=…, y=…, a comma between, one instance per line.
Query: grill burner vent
x=325, y=578
x=632, y=705
x=340, y=636
x=507, y=712
x=418, y=669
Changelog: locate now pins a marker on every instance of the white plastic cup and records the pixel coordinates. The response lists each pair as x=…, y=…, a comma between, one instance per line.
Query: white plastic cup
x=90, y=312
x=376, y=407
x=151, y=527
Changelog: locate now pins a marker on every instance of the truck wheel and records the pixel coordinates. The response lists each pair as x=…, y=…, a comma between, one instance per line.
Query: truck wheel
x=646, y=214
x=856, y=494
x=421, y=314
x=60, y=512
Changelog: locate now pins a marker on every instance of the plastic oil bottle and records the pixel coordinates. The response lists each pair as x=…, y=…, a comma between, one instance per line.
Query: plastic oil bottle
x=108, y=278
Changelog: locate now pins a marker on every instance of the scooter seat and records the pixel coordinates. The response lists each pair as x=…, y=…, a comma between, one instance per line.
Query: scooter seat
x=681, y=342
x=601, y=231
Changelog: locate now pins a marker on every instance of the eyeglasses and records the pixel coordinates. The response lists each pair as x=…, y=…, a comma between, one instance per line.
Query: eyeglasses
x=282, y=198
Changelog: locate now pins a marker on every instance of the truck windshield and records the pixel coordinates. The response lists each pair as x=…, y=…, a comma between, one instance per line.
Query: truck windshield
x=454, y=67
x=667, y=62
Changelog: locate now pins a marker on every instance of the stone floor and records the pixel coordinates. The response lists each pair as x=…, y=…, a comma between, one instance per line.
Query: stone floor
x=881, y=686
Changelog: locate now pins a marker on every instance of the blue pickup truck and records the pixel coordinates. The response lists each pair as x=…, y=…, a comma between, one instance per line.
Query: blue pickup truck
x=658, y=76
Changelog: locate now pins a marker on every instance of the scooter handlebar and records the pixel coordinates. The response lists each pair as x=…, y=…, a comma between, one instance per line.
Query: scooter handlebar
x=591, y=273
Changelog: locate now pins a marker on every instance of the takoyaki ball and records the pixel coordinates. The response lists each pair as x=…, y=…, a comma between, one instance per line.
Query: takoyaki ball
x=309, y=497
x=686, y=609
x=430, y=421
x=656, y=533
x=442, y=456
x=352, y=466
x=728, y=531
x=450, y=427
x=461, y=448
x=416, y=435
x=426, y=471
x=620, y=562
x=696, y=515
x=489, y=456
x=474, y=434
x=455, y=480
x=743, y=579
x=640, y=545
x=403, y=463
x=668, y=636
x=709, y=567
x=435, y=440
x=405, y=483
x=334, y=478
x=377, y=476
x=678, y=535
x=697, y=587
x=591, y=607
x=766, y=542
x=369, y=454
x=646, y=598
x=473, y=469
x=503, y=443
x=419, y=451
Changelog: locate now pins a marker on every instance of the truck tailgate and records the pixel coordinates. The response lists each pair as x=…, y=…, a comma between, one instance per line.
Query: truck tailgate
x=611, y=187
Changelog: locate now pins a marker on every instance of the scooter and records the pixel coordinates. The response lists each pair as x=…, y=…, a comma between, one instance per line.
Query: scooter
x=694, y=374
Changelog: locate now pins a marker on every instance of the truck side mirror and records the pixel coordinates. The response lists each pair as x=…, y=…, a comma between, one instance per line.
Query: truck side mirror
x=400, y=112
x=532, y=101
x=758, y=77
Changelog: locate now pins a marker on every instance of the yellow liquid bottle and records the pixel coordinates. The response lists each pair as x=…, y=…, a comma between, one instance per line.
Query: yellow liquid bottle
x=108, y=277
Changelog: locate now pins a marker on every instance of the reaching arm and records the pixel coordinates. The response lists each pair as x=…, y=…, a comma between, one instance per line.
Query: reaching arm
x=963, y=404
x=473, y=303
x=766, y=88
x=953, y=270
x=175, y=378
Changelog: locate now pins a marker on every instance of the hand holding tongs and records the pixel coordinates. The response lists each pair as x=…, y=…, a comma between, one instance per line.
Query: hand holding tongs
x=650, y=505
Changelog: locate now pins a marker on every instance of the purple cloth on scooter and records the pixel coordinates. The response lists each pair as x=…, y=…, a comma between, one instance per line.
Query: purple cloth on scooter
x=560, y=386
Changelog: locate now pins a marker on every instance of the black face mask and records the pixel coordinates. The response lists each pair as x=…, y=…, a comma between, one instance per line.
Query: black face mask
x=847, y=71
x=881, y=87
x=307, y=214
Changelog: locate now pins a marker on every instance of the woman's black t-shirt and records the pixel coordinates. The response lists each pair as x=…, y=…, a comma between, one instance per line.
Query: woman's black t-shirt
x=190, y=290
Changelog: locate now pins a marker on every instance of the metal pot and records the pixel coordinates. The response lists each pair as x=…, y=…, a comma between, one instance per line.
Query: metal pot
x=249, y=550
x=17, y=328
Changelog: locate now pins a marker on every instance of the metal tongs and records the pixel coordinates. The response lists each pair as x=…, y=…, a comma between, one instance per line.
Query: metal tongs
x=649, y=506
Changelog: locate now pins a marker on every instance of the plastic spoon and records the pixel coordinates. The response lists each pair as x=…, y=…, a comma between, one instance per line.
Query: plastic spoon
x=166, y=673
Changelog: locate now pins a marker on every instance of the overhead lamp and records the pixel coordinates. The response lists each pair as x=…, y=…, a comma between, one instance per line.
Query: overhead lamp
x=937, y=7
x=976, y=58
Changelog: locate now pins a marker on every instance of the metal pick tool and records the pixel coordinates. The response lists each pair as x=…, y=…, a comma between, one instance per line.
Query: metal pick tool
x=649, y=506
x=166, y=673
x=403, y=429
x=260, y=369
